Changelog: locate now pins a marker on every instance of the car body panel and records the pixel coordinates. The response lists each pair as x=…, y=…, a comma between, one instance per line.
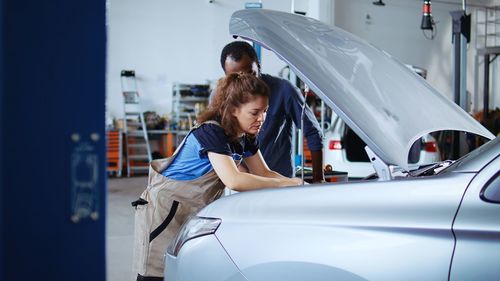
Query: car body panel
x=343, y=230
x=377, y=96
x=214, y=264
x=477, y=228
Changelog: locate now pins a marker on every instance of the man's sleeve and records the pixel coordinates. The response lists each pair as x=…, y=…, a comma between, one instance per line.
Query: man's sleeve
x=312, y=129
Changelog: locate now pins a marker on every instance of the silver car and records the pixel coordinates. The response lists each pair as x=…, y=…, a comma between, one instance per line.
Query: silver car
x=440, y=222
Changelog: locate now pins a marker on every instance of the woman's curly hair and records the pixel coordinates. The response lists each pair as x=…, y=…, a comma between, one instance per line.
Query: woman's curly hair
x=233, y=90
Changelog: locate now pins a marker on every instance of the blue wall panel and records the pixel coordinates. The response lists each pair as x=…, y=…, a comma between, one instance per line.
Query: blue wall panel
x=2, y=110
x=53, y=87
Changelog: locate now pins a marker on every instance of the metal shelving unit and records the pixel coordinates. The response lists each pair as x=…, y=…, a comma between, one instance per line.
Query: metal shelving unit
x=488, y=49
x=188, y=101
x=488, y=27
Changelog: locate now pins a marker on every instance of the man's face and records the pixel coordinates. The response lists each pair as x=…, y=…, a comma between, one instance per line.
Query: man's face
x=245, y=64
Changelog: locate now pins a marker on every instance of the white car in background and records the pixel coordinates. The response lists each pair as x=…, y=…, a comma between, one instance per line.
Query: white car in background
x=344, y=151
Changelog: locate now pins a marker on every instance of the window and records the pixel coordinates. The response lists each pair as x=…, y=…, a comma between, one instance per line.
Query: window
x=491, y=191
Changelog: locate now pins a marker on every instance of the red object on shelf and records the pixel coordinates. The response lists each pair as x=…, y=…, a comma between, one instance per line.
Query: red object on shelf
x=114, y=152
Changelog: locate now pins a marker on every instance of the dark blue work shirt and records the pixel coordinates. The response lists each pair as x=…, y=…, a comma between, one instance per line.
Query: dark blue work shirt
x=275, y=137
x=192, y=160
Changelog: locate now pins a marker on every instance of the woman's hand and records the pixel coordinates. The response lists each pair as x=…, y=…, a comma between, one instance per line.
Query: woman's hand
x=229, y=174
x=294, y=182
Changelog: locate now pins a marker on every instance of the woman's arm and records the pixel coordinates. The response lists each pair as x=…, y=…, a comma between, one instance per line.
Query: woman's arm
x=227, y=171
x=258, y=166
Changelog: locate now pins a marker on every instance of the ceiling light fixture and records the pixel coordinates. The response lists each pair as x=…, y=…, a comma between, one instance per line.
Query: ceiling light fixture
x=428, y=22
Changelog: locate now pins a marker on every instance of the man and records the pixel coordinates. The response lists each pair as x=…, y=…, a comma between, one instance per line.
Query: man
x=285, y=109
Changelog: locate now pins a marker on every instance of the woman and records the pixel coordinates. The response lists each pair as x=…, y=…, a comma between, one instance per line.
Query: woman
x=206, y=161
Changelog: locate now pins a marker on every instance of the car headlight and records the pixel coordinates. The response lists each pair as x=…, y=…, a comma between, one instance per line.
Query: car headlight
x=195, y=227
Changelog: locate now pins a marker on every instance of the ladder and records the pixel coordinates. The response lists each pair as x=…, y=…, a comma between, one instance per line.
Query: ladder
x=137, y=151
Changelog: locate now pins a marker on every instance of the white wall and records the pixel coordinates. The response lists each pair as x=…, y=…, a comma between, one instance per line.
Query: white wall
x=170, y=41
x=395, y=28
x=180, y=41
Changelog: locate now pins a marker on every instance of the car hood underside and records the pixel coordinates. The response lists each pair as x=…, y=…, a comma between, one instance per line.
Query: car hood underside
x=384, y=102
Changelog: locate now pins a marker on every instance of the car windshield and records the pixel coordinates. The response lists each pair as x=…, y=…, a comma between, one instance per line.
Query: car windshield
x=467, y=161
x=431, y=169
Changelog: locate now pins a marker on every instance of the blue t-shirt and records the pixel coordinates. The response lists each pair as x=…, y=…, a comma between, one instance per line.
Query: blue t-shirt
x=192, y=160
x=275, y=136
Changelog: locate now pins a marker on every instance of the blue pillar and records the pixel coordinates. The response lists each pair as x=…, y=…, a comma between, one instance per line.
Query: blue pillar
x=52, y=140
x=2, y=117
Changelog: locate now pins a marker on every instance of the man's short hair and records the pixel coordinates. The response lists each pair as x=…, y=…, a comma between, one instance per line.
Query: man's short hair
x=236, y=50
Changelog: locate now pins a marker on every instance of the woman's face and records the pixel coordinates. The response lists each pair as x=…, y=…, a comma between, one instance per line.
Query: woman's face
x=251, y=115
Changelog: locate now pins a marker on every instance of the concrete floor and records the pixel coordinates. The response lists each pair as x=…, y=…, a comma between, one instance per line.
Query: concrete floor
x=120, y=226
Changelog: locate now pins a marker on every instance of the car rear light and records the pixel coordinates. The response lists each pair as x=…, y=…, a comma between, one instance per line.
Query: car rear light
x=335, y=145
x=430, y=146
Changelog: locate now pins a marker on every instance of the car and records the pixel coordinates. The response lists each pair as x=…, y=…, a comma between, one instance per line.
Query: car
x=345, y=151
x=437, y=222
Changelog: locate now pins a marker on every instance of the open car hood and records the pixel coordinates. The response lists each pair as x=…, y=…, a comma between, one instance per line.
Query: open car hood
x=382, y=100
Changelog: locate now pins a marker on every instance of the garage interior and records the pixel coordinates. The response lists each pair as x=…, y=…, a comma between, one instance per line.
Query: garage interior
x=129, y=77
